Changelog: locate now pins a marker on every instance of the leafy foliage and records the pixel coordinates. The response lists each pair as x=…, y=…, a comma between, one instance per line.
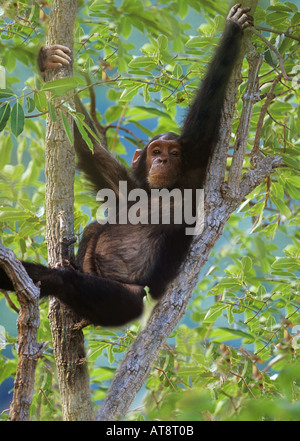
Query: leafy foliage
x=236, y=355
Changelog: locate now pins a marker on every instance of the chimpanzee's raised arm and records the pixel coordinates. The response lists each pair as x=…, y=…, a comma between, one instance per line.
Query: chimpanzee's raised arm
x=201, y=126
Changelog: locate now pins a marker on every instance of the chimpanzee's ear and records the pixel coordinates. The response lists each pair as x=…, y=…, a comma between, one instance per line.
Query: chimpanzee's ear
x=136, y=158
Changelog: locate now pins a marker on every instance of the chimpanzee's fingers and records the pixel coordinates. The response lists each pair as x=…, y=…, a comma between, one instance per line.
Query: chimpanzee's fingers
x=50, y=65
x=60, y=47
x=233, y=11
x=243, y=19
x=246, y=9
x=240, y=12
x=59, y=53
x=57, y=59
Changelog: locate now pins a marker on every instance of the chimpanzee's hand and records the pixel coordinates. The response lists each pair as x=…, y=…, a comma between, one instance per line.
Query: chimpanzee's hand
x=53, y=57
x=240, y=16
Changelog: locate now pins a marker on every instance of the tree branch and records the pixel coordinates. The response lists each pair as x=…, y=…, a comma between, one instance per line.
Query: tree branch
x=275, y=31
x=264, y=168
x=250, y=97
x=255, y=154
x=27, y=325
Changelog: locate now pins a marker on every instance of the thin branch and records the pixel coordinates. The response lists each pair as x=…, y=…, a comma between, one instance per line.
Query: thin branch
x=274, y=361
x=98, y=83
x=250, y=97
x=275, y=31
x=180, y=82
x=113, y=126
x=273, y=48
x=269, y=98
x=253, y=178
x=244, y=381
x=265, y=302
x=166, y=376
x=10, y=302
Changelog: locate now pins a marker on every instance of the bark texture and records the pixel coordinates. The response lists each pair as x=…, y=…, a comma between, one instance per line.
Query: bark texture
x=68, y=341
x=27, y=325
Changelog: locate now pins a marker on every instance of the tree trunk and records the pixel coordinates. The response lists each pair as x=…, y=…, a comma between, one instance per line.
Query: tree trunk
x=68, y=343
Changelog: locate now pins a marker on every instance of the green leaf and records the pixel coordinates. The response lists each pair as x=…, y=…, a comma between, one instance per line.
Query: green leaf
x=293, y=191
x=200, y=42
x=4, y=115
x=113, y=113
x=223, y=333
x=144, y=129
x=282, y=207
x=67, y=127
x=146, y=93
x=30, y=104
x=162, y=42
x=111, y=356
x=294, y=180
x=177, y=72
x=290, y=263
x=130, y=92
x=63, y=85
x=5, y=150
x=17, y=119
x=40, y=100
x=22, y=245
x=6, y=93
x=52, y=112
x=295, y=19
x=214, y=312
x=98, y=5
x=291, y=162
x=230, y=315
x=142, y=62
x=229, y=282
x=122, y=64
x=87, y=128
x=183, y=8
x=270, y=230
x=282, y=8
x=247, y=265
x=84, y=133
x=277, y=19
x=125, y=27
x=194, y=42
x=31, y=174
x=35, y=13
x=10, y=214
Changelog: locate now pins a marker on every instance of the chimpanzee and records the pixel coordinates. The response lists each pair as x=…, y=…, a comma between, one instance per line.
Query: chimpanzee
x=115, y=262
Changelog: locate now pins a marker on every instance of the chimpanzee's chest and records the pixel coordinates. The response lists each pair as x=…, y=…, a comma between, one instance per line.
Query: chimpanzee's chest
x=132, y=253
